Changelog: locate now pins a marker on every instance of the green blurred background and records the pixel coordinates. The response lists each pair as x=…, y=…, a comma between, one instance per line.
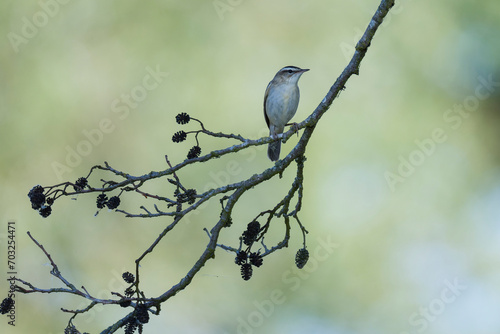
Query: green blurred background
x=402, y=180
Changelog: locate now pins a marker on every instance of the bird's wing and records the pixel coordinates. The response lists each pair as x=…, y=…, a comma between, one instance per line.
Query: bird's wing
x=265, y=100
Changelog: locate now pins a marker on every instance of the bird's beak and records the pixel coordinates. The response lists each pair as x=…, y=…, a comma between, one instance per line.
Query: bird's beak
x=305, y=70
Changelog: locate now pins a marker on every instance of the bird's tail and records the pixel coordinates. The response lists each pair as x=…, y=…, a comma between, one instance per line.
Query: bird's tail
x=273, y=151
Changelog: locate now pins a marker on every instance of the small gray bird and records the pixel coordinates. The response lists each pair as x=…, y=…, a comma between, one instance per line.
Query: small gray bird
x=280, y=104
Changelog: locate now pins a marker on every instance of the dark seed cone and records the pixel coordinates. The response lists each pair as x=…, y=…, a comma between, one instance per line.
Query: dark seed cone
x=71, y=329
x=191, y=196
x=301, y=258
x=36, y=196
x=113, y=202
x=251, y=233
x=179, y=136
x=131, y=326
x=80, y=184
x=142, y=314
x=129, y=292
x=246, y=271
x=194, y=152
x=241, y=258
x=256, y=259
x=182, y=118
x=128, y=277
x=101, y=201
x=45, y=211
x=6, y=305
x=125, y=303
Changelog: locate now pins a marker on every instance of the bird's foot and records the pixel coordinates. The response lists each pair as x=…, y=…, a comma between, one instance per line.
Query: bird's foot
x=295, y=127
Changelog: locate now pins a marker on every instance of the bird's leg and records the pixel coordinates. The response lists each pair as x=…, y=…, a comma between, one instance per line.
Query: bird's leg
x=295, y=127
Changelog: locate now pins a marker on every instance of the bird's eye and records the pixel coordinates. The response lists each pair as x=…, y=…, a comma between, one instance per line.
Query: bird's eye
x=290, y=71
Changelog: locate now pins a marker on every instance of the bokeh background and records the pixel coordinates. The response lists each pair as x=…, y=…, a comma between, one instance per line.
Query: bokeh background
x=402, y=180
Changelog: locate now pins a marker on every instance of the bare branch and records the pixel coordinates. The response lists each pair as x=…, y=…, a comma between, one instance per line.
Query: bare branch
x=178, y=200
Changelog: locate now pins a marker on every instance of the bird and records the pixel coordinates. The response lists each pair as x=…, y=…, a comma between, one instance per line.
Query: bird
x=280, y=104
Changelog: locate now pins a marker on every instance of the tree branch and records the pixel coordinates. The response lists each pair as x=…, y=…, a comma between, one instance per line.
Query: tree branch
x=183, y=200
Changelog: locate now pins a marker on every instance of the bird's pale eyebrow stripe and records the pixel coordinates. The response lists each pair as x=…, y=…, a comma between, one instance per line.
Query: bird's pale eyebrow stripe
x=293, y=68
